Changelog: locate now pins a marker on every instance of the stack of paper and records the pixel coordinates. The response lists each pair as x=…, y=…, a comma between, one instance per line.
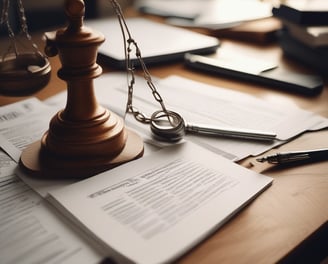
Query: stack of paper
x=151, y=210
x=201, y=103
x=31, y=230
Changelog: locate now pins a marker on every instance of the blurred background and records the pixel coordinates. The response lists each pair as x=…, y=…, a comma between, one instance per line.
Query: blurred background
x=43, y=14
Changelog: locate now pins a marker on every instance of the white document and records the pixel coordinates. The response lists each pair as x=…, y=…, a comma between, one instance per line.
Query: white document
x=20, y=109
x=23, y=123
x=30, y=230
x=195, y=101
x=236, y=109
x=201, y=103
x=156, y=208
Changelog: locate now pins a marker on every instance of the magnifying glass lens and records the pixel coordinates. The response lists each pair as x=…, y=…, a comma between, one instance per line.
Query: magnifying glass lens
x=167, y=126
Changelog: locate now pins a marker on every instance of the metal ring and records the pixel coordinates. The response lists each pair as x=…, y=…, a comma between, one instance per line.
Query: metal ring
x=167, y=126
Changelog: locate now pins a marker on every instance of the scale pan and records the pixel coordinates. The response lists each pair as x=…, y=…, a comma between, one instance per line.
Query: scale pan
x=23, y=74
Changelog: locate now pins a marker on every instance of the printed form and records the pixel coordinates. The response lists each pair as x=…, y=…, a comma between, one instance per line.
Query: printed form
x=154, y=209
x=30, y=229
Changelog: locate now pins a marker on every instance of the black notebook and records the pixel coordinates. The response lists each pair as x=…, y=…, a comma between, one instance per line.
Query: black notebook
x=313, y=12
x=158, y=42
x=316, y=58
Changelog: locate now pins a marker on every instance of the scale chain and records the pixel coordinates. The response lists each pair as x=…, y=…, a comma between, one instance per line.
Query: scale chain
x=23, y=26
x=129, y=42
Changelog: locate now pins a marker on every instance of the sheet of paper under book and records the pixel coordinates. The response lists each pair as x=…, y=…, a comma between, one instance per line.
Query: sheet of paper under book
x=155, y=209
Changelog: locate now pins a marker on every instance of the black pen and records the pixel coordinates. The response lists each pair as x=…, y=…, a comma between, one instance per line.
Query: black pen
x=296, y=156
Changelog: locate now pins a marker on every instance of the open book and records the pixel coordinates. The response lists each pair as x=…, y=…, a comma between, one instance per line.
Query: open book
x=154, y=209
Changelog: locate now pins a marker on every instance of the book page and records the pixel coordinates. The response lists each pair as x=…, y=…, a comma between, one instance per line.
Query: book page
x=154, y=209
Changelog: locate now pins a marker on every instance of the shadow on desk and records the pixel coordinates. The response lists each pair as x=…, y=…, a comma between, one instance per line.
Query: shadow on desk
x=312, y=250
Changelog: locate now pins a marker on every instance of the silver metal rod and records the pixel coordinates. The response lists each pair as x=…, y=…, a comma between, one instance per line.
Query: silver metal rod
x=230, y=132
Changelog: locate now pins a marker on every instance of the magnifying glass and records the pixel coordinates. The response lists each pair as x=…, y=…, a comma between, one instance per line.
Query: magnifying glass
x=171, y=127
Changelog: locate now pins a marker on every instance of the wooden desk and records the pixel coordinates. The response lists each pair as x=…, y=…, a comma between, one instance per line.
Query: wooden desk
x=286, y=214
x=294, y=207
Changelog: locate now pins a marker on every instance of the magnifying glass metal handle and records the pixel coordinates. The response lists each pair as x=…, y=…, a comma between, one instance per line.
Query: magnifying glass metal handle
x=170, y=126
x=229, y=132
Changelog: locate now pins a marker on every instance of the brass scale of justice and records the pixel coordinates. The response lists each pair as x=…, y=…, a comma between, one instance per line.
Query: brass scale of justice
x=85, y=138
